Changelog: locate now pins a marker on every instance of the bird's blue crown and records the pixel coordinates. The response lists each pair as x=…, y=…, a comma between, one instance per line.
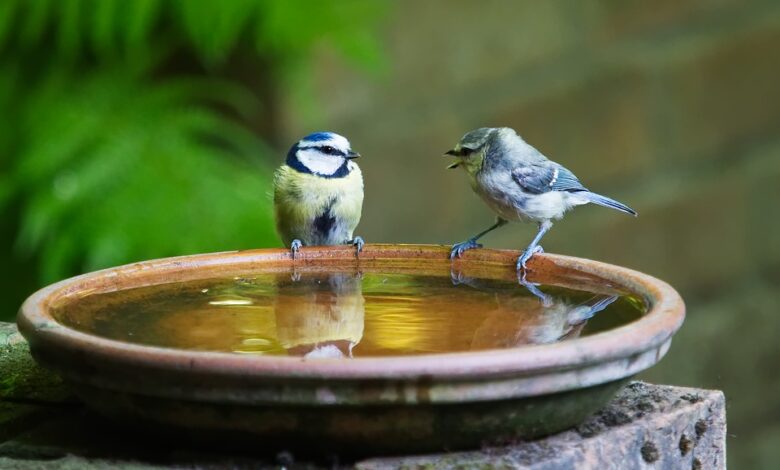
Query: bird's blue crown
x=318, y=137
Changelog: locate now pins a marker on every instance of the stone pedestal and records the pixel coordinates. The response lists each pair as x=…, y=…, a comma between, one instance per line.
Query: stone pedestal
x=645, y=426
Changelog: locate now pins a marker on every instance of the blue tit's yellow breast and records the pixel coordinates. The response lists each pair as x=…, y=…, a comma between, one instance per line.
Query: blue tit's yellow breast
x=301, y=198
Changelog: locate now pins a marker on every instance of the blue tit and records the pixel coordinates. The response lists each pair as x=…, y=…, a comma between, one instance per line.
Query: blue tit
x=519, y=184
x=318, y=193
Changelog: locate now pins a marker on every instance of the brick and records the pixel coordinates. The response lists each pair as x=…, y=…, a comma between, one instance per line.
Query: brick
x=722, y=95
x=760, y=451
x=641, y=428
x=764, y=213
x=599, y=128
x=619, y=19
x=700, y=240
x=437, y=46
x=396, y=183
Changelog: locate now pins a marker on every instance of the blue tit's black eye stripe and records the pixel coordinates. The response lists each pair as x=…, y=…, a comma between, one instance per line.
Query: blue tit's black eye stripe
x=328, y=150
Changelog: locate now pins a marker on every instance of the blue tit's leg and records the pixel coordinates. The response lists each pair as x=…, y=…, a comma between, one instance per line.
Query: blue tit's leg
x=358, y=243
x=534, y=247
x=459, y=248
x=295, y=246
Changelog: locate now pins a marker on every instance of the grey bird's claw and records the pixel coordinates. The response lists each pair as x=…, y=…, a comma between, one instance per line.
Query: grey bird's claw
x=459, y=248
x=295, y=246
x=358, y=243
x=527, y=254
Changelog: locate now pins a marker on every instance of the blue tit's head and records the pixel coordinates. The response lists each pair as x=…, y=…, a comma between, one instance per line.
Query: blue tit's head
x=325, y=154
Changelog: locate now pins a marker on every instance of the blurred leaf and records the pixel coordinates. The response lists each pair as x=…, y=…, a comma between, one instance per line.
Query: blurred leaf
x=214, y=27
x=34, y=18
x=7, y=11
x=285, y=30
x=140, y=18
x=132, y=170
x=289, y=30
x=69, y=31
x=105, y=16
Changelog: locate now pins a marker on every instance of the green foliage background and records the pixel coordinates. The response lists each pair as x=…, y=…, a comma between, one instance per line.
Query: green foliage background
x=139, y=129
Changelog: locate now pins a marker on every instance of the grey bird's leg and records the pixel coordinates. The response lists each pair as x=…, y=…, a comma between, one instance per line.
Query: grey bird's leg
x=534, y=247
x=459, y=248
x=295, y=246
x=358, y=243
x=546, y=300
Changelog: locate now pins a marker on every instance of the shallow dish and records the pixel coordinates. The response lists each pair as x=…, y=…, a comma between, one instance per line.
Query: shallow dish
x=359, y=405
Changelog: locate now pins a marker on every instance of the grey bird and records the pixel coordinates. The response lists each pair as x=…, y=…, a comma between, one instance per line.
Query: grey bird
x=519, y=184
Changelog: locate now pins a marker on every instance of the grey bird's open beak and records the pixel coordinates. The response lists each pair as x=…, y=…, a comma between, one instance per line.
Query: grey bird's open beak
x=352, y=155
x=452, y=153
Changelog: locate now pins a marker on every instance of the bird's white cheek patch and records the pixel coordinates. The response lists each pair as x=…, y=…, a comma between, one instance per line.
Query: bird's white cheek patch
x=319, y=163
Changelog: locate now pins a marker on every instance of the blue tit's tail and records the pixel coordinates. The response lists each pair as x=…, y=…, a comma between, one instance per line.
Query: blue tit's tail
x=607, y=202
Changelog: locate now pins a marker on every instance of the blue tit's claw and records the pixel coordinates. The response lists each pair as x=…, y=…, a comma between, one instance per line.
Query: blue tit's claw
x=459, y=248
x=295, y=246
x=527, y=254
x=358, y=243
x=456, y=277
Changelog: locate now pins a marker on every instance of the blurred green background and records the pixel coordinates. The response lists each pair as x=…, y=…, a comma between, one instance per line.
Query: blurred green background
x=138, y=129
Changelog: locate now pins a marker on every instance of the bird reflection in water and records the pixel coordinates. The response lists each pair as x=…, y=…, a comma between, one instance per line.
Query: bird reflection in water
x=320, y=315
x=526, y=320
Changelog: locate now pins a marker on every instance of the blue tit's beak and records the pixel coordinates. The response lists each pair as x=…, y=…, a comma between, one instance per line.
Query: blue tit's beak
x=352, y=155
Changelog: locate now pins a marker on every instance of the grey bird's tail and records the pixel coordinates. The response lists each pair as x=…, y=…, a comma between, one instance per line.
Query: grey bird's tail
x=590, y=308
x=607, y=202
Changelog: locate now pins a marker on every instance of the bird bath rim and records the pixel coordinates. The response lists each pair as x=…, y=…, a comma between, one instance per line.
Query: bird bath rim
x=470, y=376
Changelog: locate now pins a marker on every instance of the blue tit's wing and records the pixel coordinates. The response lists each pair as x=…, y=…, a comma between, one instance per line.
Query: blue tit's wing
x=542, y=177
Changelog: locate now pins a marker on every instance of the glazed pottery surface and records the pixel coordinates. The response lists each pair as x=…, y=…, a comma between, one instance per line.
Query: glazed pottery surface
x=363, y=404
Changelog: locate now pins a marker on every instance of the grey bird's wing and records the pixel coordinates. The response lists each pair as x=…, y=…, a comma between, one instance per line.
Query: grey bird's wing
x=542, y=177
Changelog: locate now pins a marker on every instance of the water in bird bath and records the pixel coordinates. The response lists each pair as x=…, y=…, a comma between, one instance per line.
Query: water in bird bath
x=344, y=314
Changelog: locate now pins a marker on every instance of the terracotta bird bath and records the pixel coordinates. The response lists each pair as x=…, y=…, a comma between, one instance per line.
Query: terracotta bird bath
x=333, y=376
